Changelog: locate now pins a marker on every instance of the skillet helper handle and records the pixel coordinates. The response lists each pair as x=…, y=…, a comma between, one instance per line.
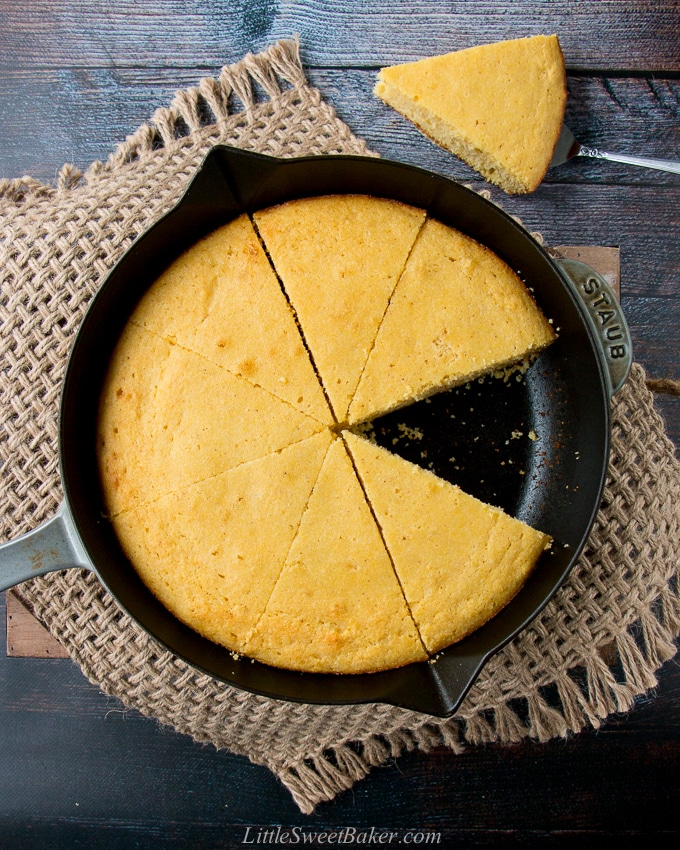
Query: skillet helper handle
x=54, y=545
x=605, y=317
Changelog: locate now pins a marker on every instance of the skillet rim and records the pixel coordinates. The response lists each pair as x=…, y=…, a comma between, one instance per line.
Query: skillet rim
x=412, y=687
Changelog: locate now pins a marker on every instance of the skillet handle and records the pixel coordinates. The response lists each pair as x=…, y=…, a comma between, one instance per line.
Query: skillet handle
x=605, y=317
x=54, y=545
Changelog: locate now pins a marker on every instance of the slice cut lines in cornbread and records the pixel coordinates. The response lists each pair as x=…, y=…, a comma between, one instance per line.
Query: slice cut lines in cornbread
x=212, y=551
x=458, y=311
x=459, y=560
x=339, y=258
x=169, y=417
x=221, y=299
x=497, y=106
x=337, y=606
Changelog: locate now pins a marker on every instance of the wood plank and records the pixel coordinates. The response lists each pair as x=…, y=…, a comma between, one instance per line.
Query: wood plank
x=53, y=721
x=594, y=35
x=63, y=742
x=604, y=260
x=49, y=117
x=26, y=636
x=644, y=223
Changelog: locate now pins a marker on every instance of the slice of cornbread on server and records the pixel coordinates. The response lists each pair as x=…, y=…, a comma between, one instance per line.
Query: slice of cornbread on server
x=497, y=106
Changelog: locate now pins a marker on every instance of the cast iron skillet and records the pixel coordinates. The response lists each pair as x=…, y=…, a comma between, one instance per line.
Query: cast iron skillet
x=482, y=437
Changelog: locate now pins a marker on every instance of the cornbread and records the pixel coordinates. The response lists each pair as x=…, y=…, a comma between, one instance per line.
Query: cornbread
x=458, y=560
x=337, y=606
x=497, y=106
x=169, y=418
x=221, y=299
x=226, y=476
x=458, y=311
x=333, y=254
x=201, y=549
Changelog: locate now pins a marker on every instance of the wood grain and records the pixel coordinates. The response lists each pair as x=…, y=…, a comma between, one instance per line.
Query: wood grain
x=604, y=260
x=335, y=33
x=76, y=114
x=80, y=771
x=26, y=636
x=77, y=769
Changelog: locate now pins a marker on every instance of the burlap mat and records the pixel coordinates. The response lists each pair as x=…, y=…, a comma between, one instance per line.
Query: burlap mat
x=594, y=649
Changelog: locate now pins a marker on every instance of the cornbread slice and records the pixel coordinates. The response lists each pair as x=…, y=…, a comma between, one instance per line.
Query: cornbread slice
x=498, y=106
x=339, y=258
x=169, y=417
x=211, y=552
x=458, y=311
x=459, y=560
x=221, y=299
x=337, y=606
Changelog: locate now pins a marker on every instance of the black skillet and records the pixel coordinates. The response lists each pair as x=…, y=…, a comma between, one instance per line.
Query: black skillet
x=538, y=447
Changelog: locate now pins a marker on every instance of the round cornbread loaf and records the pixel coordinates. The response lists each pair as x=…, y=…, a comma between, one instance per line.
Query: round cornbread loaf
x=232, y=465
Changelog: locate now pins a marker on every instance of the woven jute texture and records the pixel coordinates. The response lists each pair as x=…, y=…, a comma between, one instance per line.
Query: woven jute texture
x=590, y=653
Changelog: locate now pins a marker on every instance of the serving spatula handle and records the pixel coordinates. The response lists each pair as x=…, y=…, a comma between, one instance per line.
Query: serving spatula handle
x=643, y=161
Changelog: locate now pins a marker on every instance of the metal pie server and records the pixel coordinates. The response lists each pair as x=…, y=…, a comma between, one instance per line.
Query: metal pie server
x=567, y=148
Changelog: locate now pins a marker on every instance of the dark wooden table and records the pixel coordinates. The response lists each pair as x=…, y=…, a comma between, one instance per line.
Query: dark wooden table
x=76, y=769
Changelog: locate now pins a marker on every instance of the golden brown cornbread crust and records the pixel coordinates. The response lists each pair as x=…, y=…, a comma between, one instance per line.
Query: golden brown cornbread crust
x=332, y=253
x=322, y=615
x=243, y=511
x=460, y=561
x=479, y=318
x=497, y=106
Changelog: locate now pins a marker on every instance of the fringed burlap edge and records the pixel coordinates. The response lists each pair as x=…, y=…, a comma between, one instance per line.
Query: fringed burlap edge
x=274, y=76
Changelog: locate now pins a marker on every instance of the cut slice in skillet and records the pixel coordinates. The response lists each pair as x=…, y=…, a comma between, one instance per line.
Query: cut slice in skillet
x=212, y=551
x=221, y=299
x=459, y=560
x=337, y=606
x=339, y=259
x=169, y=417
x=457, y=312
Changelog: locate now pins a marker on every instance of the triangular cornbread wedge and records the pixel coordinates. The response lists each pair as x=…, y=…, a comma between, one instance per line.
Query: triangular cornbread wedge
x=458, y=311
x=337, y=606
x=339, y=258
x=221, y=299
x=497, y=106
x=169, y=417
x=459, y=560
x=212, y=551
